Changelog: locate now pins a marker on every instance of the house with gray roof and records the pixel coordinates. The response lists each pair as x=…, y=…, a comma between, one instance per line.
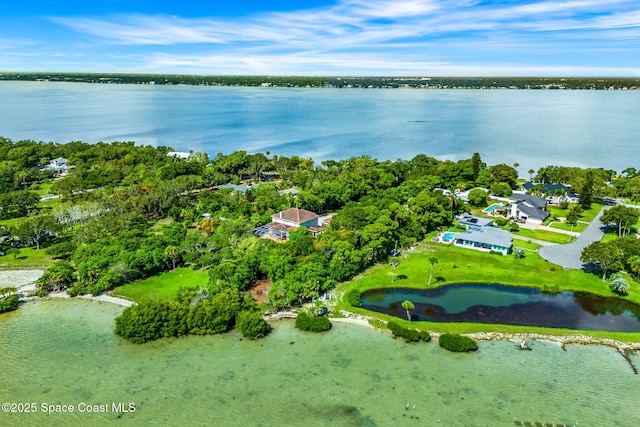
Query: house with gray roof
x=528, y=208
x=554, y=193
x=485, y=239
x=471, y=221
x=293, y=191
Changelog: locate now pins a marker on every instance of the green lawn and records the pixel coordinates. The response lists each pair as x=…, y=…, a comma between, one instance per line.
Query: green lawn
x=460, y=265
x=586, y=216
x=28, y=258
x=579, y=227
x=44, y=189
x=50, y=204
x=547, y=236
x=162, y=286
x=12, y=222
x=526, y=244
x=589, y=214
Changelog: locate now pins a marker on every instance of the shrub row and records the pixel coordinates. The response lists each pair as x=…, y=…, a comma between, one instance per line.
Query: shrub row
x=313, y=324
x=456, y=342
x=410, y=335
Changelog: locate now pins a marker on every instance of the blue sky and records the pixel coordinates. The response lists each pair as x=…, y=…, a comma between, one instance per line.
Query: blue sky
x=315, y=37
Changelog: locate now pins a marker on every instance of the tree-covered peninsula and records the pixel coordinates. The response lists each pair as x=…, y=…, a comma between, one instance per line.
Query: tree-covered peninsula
x=104, y=215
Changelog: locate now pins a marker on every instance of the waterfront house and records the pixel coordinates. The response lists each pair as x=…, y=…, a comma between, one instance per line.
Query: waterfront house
x=487, y=239
x=553, y=193
x=471, y=221
x=528, y=208
x=285, y=221
x=59, y=166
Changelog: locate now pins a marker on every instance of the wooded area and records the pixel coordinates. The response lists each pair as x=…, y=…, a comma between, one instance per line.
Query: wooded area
x=147, y=213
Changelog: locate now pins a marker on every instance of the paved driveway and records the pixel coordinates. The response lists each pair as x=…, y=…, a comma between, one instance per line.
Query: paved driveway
x=568, y=256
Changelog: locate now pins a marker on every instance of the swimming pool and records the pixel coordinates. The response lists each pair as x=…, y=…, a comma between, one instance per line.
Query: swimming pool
x=447, y=237
x=492, y=207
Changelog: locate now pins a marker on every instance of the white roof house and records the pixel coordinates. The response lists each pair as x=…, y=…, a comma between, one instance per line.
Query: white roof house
x=180, y=154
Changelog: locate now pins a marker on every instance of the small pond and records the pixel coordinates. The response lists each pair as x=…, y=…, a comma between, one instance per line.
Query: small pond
x=508, y=305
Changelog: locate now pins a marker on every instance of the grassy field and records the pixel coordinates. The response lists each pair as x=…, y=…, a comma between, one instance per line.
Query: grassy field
x=586, y=216
x=44, y=189
x=579, y=227
x=547, y=236
x=163, y=286
x=459, y=265
x=28, y=258
x=12, y=222
x=526, y=244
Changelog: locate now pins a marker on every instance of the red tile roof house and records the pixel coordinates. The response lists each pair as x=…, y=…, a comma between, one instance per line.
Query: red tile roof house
x=283, y=222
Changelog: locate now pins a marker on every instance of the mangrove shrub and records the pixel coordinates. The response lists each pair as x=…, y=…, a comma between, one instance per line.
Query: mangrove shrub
x=251, y=324
x=9, y=303
x=313, y=324
x=410, y=335
x=456, y=342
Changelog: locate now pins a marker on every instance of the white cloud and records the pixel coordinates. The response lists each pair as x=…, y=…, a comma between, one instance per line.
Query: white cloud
x=390, y=35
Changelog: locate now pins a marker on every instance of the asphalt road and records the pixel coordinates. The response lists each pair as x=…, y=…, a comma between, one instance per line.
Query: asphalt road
x=568, y=256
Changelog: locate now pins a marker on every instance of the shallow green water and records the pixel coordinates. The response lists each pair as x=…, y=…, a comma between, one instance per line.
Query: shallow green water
x=64, y=352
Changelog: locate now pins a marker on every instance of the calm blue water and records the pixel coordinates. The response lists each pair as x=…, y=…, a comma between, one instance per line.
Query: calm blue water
x=533, y=128
x=64, y=352
x=508, y=305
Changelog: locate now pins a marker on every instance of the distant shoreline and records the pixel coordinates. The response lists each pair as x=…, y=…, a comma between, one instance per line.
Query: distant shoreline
x=368, y=82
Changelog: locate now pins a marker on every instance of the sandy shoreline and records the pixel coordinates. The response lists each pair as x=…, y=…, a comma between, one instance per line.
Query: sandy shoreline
x=622, y=347
x=102, y=298
x=24, y=281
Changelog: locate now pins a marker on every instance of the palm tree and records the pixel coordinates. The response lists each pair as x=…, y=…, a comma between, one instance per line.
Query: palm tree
x=531, y=172
x=433, y=260
x=408, y=305
x=172, y=253
x=453, y=203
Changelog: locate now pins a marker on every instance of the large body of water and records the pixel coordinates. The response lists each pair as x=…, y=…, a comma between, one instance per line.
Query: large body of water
x=63, y=352
x=532, y=128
